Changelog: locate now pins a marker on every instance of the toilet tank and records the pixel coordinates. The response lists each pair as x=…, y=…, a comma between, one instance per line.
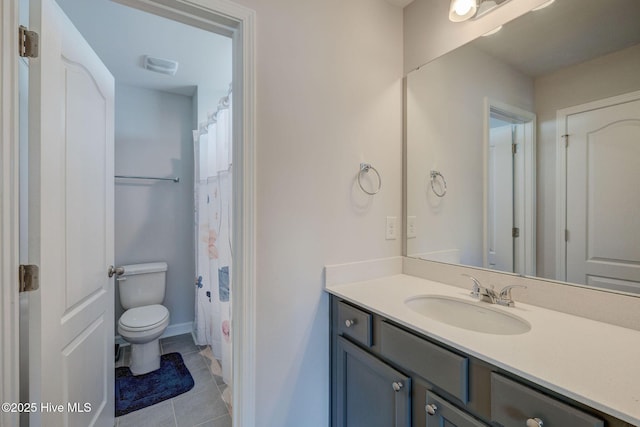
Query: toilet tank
x=142, y=284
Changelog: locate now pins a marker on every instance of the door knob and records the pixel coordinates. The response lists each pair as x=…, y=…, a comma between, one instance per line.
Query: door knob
x=397, y=386
x=431, y=409
x=534, y=422
x=115, y=271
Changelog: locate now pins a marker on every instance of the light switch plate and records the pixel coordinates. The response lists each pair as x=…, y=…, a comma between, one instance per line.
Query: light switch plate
x=411, y=227
x=392, y=228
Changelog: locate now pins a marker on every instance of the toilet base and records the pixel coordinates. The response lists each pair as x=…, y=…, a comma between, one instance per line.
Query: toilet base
x=145, y=358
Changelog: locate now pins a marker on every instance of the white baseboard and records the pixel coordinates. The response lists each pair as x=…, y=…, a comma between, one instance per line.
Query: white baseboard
x=172, y=330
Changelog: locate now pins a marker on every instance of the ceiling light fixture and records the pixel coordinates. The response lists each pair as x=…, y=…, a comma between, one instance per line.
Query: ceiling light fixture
x=159, y=65
x=462, y=10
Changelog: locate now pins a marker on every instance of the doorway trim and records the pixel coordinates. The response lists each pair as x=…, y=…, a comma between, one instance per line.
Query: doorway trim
x=223, y=17
x=561, y=171
x=9, y=303
x=526, y=203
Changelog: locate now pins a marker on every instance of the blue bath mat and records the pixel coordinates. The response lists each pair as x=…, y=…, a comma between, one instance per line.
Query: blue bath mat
x=137, y=392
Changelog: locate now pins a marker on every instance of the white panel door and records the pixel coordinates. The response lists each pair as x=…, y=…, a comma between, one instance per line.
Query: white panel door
x=500, y=200
x=71, y=101
x=603, y=198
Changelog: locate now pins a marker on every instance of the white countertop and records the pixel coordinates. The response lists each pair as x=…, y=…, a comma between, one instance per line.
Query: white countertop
x=594, y=363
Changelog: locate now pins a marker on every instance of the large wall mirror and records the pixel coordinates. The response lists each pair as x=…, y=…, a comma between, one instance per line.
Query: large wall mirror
x=523, y=148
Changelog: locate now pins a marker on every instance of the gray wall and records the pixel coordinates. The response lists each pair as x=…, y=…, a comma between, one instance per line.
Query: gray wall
x=328, y=97
x=154, y=219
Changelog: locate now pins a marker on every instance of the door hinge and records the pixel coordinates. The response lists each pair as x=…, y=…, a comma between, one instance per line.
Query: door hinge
x=515, y=232
x=28, y=278
x=566, y=140
x=27, y=42
x=514, y=148
x=566, y=235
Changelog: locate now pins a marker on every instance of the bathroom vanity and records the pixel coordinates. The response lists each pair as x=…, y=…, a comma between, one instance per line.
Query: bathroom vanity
x=394, y=366
x=497, y=184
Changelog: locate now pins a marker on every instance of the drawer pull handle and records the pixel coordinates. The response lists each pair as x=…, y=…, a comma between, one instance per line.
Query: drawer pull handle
x=349, y=323
x=431, y=409
x=534, y=422
x=397, y=386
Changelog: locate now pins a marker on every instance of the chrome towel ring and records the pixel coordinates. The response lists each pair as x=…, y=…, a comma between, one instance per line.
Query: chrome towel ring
x=364, y=168
x=442, y=184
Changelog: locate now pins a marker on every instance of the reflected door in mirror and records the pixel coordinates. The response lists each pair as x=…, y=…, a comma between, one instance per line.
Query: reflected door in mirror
x=603, y=199
x=500, y=209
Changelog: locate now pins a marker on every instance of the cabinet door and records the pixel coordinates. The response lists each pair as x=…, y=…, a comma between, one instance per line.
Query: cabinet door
x=369, y=392
x=442, y=413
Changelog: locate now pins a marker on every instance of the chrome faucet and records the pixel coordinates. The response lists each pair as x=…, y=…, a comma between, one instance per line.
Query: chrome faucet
x=490, y=295
x=504, y=298
x=481, y=292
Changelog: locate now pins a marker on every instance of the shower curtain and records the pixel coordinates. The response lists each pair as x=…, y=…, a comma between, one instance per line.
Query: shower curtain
x=213, y=235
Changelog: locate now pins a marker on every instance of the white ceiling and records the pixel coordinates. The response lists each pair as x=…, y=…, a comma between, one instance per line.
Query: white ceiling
x=121, y=36
x=567, y=32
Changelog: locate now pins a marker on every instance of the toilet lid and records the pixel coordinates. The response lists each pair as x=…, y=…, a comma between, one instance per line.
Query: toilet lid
x=144, y=317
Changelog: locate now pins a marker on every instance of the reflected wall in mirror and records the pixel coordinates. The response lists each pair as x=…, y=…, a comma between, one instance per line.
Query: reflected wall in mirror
x=533, y=136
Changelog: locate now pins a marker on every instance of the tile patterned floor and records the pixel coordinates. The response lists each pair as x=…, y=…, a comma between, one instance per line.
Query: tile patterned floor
x=202, y=406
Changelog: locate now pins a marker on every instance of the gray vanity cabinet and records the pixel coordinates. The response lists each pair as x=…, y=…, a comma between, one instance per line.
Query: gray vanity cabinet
x=442, y=413
x=369, y=392
x=386, y=375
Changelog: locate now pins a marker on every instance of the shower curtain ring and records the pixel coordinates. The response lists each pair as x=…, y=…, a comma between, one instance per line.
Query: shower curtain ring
x=364, y=168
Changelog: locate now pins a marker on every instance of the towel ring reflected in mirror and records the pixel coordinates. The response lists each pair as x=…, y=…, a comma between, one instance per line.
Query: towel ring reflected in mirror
x=364, y=169
x=437, y=177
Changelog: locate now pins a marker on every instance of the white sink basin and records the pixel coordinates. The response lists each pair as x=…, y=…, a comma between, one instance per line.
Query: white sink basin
x=474, y=316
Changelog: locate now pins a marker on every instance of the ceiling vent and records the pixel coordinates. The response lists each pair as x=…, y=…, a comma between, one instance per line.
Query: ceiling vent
x=159, y=65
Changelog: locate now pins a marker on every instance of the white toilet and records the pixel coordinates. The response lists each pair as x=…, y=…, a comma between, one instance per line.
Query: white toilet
x=142, y=288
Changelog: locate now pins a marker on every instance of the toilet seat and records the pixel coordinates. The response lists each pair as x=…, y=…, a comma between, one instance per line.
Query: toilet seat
x=143, y=318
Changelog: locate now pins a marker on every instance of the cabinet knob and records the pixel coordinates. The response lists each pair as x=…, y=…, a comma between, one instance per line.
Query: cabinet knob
x=397, y=386
x=349, y=322
x=431, y=409
x=534, y=422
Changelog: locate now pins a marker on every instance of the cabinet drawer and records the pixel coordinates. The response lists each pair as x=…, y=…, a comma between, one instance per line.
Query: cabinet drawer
x=354, y=323
x=442, y=368
x=512, y=404
x=442, y=413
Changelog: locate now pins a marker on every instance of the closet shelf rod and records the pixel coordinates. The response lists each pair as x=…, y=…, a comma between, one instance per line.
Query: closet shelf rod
x=176, y=179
